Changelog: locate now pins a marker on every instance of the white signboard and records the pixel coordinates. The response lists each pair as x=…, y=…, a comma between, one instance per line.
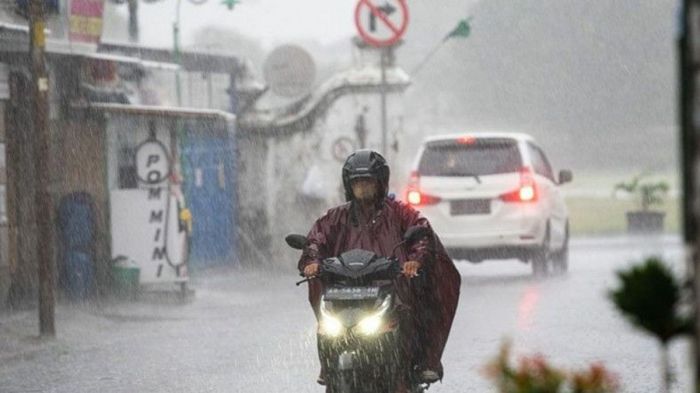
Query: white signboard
x=152, y=162
x=145, y=230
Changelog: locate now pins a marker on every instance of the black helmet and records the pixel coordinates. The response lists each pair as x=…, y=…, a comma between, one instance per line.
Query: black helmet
x=366, y=163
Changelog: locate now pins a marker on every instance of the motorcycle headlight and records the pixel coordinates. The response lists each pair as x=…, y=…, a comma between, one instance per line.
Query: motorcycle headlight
x=329, y=325
x=373, y=324
x=370, y=325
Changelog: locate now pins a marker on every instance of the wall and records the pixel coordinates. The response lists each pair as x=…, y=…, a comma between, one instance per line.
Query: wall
x=78, y=154
x=21, y=211
x=298, y=175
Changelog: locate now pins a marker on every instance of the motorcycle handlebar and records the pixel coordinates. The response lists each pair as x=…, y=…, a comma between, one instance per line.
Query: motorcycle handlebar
x=399, y=274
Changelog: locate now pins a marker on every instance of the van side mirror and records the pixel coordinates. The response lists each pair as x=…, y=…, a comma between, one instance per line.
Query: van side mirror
x=565, y=176
x=415, y=233
x=296, y=241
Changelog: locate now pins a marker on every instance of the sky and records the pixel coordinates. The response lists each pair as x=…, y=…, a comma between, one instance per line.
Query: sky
x=271, y=21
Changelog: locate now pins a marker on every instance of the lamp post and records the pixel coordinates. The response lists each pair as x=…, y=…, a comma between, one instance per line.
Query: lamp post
x=176, y=51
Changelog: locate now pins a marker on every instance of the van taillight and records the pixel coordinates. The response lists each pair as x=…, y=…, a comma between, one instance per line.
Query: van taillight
x=414, y=196
x=417, y=198
x=527, y=192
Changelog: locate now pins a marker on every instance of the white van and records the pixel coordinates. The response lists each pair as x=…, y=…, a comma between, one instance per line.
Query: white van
x=493, y=196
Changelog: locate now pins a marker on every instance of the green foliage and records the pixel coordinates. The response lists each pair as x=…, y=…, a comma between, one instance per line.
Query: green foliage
x=534, y=375
x=649, y=193
x=649, y=296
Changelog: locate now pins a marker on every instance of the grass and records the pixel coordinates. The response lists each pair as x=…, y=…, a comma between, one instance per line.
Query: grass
x=601, y=216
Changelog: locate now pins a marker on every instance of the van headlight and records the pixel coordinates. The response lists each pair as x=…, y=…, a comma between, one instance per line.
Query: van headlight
x=373, y=324
x=329, y=325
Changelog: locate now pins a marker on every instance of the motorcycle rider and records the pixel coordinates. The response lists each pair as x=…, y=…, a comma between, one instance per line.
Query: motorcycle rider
x=373, y=221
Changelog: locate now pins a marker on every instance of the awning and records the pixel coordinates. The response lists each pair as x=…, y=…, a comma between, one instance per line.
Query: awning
x=162, y=111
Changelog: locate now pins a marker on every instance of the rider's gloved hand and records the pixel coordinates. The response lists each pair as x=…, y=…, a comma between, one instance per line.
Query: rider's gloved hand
x=410, y=269
x=311, y=270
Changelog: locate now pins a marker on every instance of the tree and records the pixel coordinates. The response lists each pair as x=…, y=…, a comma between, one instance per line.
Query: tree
x=649, y=296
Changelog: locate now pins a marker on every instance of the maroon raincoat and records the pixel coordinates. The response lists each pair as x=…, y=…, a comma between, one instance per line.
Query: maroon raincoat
x=337, y=231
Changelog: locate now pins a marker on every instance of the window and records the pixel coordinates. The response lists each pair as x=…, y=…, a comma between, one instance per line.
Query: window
x=481, y=157
x=539, y=162
x=128, y=177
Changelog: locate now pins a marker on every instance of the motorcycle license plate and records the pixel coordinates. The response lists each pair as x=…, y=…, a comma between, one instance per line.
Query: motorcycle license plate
x=352, y=293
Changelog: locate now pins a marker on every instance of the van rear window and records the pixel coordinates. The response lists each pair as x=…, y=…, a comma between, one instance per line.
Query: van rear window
x=481, y=157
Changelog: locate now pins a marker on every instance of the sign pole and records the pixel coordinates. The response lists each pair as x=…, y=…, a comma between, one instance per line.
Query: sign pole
x=176, y=52
x=40, y=106
x=393, y=19
x=382, y=91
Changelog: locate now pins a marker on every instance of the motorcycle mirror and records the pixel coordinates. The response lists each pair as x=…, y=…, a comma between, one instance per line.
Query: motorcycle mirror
x=415, y=233
x=296, y=241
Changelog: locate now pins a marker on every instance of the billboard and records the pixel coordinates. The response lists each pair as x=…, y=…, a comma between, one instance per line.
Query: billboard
x=86, y=20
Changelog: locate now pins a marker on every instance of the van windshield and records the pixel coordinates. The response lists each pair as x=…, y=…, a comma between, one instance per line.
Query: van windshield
x=482, y=157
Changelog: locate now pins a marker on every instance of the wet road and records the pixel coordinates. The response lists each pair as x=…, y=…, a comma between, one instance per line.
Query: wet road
x=253, y=332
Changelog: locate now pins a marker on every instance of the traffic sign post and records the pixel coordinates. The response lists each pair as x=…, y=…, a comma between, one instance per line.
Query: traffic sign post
x=382, y=26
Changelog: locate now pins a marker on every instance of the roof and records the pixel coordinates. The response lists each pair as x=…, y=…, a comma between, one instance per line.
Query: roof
x=129, y=60
x=164, y=111
x=14, y=39
x=483, y=134
x=189, y=60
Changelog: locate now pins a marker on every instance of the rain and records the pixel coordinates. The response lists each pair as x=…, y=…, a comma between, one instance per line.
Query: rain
x=155, y=156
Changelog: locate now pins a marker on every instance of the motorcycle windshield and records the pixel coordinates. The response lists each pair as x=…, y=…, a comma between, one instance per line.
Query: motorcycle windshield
x=360, y=264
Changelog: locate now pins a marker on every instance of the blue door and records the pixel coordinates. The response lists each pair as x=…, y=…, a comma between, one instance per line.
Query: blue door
x=76, y=222
x=208, y=162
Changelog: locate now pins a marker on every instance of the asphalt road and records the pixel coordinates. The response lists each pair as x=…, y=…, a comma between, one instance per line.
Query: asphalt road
x=253, y=332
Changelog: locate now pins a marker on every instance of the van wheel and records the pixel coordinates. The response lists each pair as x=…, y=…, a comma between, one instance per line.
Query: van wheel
x=541, y=258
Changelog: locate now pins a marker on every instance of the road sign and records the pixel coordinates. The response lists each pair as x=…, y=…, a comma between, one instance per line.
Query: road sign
x=342, y=148
x=289, y=71
x=381, y=23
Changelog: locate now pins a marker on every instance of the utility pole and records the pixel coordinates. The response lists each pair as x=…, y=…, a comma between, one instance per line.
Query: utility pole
x=689, y=61
x=40, y=107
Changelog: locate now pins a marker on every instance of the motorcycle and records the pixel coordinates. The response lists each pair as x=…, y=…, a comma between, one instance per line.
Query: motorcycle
x=362, y=325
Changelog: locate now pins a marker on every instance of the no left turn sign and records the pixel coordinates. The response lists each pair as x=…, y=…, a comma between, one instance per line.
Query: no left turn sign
x=381, y=23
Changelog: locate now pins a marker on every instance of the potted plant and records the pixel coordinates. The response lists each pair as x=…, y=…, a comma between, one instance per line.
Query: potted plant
x=649, y=194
